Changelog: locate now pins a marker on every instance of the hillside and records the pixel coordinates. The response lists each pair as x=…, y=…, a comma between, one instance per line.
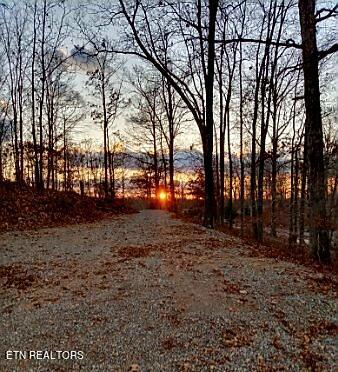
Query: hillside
x=25, y=208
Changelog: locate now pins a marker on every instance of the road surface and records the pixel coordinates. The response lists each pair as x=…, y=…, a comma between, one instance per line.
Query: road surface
x=149, y=292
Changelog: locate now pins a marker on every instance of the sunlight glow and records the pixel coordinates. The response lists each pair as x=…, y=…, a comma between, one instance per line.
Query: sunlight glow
x=162, y=195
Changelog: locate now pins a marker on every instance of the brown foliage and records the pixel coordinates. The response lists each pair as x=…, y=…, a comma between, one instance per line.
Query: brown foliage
x=170, y=343
x=25, y=208
x=235, y=338
x=15, y=276
x=135, y=251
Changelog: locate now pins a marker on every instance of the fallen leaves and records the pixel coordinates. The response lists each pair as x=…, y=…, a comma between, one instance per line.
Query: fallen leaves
x=321, y=327
x=320, y=282
x=25, y=208
x=170, y=343
x=173, y=318
x=135, y=251
x=179, y=286
x=233, y=288
x=17, y=276
x=276, y=342
x=230, y=287
x=235, y=338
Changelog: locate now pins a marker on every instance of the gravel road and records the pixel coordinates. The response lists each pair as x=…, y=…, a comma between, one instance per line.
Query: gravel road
x=147, y=292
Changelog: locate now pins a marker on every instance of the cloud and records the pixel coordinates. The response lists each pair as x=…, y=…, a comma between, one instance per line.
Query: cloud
x=83, y=58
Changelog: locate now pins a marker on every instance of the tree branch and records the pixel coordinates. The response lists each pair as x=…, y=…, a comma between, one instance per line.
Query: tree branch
x=330, y=13
x=288, y=43
x=323, y=53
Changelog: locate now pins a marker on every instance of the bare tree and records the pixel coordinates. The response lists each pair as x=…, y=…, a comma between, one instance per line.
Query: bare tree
x=147, y=49
x=319, y=234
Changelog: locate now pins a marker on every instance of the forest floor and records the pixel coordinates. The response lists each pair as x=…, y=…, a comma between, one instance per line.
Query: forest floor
x=149, y=292
x=23, y=208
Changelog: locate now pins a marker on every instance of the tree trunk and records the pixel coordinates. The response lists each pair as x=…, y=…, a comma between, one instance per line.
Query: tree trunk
x=291, y=205
x=319, y=234
x=242, y=181
x=105, y=135
x=20, y=101
x=222, y=129
x=230, y=206
x=208, y=184
x=221, y=172
x=253, y=184
x=35, y=146
x=171, y=147
x=208, y=135
x=171, y=176
x=42, y=98
x=156, y=173
x=1, y=166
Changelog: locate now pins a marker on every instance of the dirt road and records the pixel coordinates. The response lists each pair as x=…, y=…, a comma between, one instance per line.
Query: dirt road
x=148, y=292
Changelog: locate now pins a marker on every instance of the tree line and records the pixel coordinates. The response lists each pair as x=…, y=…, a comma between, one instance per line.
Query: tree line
x=249, y=76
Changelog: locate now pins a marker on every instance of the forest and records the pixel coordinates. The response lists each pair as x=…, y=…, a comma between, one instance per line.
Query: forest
x=168, y=185
x=232, y=103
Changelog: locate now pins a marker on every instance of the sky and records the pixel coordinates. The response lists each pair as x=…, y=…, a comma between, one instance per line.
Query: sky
x=192, y=135
x=88, y=129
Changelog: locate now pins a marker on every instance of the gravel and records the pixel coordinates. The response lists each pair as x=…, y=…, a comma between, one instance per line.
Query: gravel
x=151, y=293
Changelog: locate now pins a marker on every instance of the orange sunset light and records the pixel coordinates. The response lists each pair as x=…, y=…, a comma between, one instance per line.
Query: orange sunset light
x=162, y=195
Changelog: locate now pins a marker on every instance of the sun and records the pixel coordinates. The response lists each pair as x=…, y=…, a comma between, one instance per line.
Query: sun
x=162, y=195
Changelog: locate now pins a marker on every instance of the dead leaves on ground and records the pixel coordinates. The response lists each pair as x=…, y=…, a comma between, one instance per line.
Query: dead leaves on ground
x=235, y=337
x=320, y=282
x=18, y=277
x=170, y=343
x=193, y=263
x=312, y=356
x=25, y=208
x=230, y=287
x=173, y=316
x=37, y=283
x=136, y=251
